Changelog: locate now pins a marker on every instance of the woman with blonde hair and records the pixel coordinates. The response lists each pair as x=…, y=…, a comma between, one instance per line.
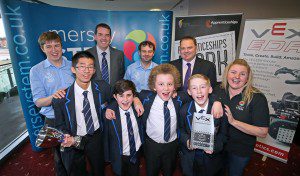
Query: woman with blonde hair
x=247, y=112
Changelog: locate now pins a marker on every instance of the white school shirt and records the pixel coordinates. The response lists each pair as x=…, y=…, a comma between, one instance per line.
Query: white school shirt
x=156, y=122
x=135, y=127
x=81, y=125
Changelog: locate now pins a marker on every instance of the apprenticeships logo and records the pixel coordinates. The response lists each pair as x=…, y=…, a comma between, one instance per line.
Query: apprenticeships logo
x=132, y=41
x=211, y=23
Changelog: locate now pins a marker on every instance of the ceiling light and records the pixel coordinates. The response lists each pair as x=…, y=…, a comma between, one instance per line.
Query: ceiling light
x=155, y=9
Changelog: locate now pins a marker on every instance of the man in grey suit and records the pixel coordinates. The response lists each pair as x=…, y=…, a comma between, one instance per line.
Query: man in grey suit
x=109, y=61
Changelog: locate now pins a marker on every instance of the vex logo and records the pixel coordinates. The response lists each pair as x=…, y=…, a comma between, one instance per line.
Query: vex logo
x=203, y=118
x=278, y=38
x=278, y=29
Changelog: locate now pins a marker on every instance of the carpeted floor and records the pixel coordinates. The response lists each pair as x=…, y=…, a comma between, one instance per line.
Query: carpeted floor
x=25, y=162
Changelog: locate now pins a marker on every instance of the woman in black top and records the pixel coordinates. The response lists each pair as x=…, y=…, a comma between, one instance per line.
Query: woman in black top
x=247, y=111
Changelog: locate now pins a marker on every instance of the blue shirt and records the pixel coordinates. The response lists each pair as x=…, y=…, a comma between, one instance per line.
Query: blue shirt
x=46, y=79
x=138, y=75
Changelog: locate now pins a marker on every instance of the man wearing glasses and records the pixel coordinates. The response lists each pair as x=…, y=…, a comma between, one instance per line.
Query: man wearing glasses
x=139, y=71
x=79, y=115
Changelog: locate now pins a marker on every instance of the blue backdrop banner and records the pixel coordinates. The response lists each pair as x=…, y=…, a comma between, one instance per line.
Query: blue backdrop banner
x=24, y=22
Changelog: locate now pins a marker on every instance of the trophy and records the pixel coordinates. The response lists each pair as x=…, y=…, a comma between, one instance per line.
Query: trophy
x=49, y=137
x=202, y=133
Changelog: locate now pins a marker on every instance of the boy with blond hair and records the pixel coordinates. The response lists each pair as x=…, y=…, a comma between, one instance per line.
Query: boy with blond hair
x=195, y=161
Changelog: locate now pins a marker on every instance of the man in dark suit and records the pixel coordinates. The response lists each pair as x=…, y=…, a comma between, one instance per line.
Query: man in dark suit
x=189, y=64
x=109, y=62
x=79, y=115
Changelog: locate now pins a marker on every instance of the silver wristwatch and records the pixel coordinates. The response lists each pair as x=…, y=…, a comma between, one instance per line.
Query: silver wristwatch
x=77, y=140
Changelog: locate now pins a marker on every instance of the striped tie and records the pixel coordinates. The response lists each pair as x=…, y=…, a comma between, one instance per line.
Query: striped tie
x=105, y=74
x=87, y=114
x=187, y=76
x=167, y=122
x=131, y=139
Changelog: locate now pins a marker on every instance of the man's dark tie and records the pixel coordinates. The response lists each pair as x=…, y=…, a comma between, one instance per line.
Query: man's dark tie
x=105, y=74
x=87, y=114
x=187, y=76
x=131, y=139
x=201, y=111
x=167, y=122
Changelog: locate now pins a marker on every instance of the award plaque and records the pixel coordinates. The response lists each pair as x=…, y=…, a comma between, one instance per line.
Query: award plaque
x=49, y=137
x=202, y=133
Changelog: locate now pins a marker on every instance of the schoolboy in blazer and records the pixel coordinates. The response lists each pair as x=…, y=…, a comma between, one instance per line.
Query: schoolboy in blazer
x=80, y=140
x=123, y=161
x=161, y=139
x=196, y=162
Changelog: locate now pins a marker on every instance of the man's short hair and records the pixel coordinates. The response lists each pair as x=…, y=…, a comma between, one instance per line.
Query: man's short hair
x=147, y=43
x=124, y=85
x=189, y=38
x=48, y=36
x=103, y=25
x=81, y=54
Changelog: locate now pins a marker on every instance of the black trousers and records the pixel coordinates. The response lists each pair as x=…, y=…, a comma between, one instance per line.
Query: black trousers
x=93, y=151
x=128, y=168
x=160, y=156
x=208, y=165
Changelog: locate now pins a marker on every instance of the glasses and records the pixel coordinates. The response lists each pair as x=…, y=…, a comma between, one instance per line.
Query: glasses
x=83, y=68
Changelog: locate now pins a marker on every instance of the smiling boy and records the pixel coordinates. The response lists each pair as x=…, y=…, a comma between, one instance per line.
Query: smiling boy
x=125, y=131
x=79, y=115
x=195, y=161
x=160, y=119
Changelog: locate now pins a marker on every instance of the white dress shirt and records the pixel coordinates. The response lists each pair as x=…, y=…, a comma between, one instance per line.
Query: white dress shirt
x=198, y=108
x=81, y=125
x=156, y=121
x=125, y=137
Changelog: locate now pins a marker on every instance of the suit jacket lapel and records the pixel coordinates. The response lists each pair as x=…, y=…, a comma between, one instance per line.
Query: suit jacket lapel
x=147, y=103
x=177, y=104
x=97, y=64
x=190, y=113
x=119, y=126
x=113, y=63
x=197, y=66
x=180, y=67
x=210, y=103
x=139, y=122
x=70, y=107
x=97, y=99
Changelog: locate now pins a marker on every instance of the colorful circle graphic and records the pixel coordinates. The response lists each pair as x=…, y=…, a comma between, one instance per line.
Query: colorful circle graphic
x=132, y=41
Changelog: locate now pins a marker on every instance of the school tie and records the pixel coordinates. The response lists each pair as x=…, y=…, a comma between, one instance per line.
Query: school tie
x=87, y=114
x=167, y=122
x=131, y=139
x=187, y=76
x=105, y=74
x=201, y=111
